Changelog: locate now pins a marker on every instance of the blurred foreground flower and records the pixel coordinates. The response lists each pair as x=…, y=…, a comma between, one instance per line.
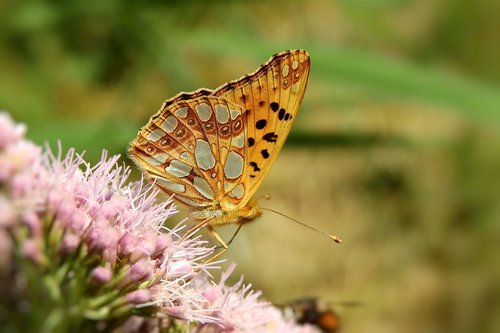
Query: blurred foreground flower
x=82, y=250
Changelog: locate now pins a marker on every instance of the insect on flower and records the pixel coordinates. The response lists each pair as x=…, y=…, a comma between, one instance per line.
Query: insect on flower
x=211, y=149
x=315, y=312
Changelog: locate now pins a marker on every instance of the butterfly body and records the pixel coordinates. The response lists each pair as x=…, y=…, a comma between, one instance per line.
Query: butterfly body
x=212, y=148
x=227, y=213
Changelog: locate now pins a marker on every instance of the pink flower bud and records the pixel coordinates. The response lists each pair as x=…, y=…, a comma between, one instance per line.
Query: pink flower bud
x=31, y=250
x=10, y=132
x=147, y=244
x=101, y=237
x=140, y=296
x=81, y=193
x=66, y=210
x=145, y=247
x=54, y=201
x=21, y=185
x=114, y=206
x=126, y=244
x=162, y=242
x=140, y=271
x=101, y=275
x=19, y=156
x=78, y=221
x=108, y=211
x=69, y=243
x=32, y=221
x=211, y=294
x=175, y=311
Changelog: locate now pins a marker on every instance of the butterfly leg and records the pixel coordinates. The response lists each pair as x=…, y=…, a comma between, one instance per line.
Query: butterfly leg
x=232, y=238
x=215, y=235
x=195, y=229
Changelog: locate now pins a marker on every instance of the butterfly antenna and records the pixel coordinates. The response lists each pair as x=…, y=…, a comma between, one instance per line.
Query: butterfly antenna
x=333, y=237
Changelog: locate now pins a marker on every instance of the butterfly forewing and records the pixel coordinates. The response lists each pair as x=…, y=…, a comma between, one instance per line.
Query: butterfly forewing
x=195, y=149
x=213, y=146
x=272, y=97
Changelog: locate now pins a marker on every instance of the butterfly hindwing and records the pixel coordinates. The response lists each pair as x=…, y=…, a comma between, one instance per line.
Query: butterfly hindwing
x=194, y=148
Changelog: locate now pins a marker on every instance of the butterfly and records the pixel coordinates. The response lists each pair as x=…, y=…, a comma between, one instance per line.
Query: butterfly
x=211, y=149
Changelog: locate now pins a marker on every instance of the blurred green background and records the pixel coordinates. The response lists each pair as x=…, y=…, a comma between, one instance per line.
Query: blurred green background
x=396, y=148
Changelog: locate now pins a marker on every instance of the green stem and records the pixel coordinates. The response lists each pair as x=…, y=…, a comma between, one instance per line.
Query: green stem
x=53, y=322
x=53, y=289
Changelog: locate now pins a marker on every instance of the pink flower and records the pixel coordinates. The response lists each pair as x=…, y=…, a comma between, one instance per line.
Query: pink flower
x=237, y=308
x=89, y=234
x=92, y=222
x=10, y=132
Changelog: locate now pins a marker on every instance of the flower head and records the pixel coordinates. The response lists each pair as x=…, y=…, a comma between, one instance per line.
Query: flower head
x=98, y=250
x=74, y=220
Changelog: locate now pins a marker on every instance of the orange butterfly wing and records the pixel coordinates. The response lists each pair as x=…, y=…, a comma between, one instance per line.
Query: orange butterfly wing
x=271, y=96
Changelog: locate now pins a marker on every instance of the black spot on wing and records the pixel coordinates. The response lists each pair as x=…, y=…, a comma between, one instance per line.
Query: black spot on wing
x=270, y=137
x=281, y=114
x=260, y=124
x=274, y=106
x=254, y=166
x=264, y=153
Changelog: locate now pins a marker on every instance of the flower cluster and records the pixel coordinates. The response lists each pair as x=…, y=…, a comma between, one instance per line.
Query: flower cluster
x=238, y=310
x=83, y=249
